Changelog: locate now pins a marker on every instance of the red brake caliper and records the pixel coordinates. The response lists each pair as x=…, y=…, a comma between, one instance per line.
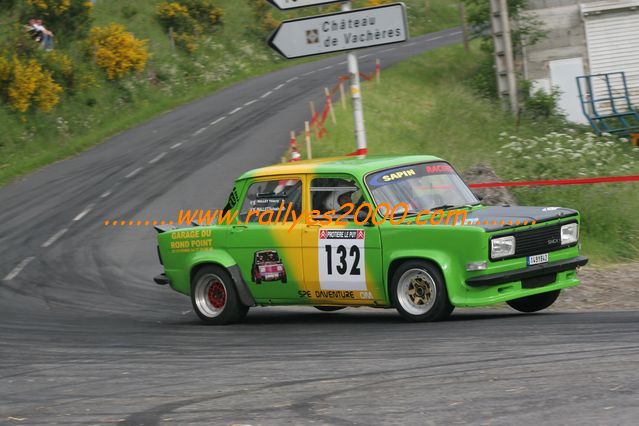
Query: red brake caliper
x=217, y=295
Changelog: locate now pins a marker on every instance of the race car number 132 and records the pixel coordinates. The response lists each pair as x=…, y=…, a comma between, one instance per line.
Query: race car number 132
x=341, y=259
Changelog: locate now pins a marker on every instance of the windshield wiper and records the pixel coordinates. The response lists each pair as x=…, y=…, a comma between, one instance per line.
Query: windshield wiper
x=442, y=207
x=408, y=213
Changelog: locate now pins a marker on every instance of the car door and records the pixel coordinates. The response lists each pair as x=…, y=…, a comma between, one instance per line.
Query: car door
x=342, y=261
x=269, y=254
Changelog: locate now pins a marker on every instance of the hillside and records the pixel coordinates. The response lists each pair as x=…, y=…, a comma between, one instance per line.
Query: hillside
x=69, y=99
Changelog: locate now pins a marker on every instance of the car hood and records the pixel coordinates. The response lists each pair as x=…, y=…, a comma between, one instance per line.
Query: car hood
x=497, y=214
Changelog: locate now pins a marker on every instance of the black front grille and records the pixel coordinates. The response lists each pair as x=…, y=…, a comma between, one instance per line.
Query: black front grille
x=537, y=240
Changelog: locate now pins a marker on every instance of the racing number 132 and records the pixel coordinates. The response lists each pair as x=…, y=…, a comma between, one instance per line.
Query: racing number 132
x=341, y=258
x=342, y=265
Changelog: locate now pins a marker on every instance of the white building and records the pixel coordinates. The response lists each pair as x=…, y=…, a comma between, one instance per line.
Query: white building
x=585, y=37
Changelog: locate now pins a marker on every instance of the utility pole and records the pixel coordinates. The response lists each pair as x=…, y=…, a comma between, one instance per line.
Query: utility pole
x=356, y=95
x=506, y=78
x=462, y=17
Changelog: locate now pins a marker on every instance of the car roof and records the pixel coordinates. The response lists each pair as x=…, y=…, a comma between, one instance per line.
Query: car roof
x=357, y=166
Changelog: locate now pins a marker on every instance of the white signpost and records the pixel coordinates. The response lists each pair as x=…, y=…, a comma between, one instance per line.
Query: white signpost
x=294, y=4
x=336, y=32
x=346, y=30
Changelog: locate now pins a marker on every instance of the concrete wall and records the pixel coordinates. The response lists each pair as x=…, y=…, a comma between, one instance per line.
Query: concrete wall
x=566, y=36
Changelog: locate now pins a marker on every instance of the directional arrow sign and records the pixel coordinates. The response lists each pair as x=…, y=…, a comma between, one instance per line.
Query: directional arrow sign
x=294, y=4
x=335, y=32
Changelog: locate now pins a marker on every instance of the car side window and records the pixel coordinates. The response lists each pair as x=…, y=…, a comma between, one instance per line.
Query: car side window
x=271, y=195
x=329, y=194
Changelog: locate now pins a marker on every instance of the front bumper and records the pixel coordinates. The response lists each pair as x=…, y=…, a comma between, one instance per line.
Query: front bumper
x=531, y=272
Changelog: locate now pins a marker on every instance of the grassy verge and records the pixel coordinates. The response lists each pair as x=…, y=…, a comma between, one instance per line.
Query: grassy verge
x=425, y=106
x=172, y=78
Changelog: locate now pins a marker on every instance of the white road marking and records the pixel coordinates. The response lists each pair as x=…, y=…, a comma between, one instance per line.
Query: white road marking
x=19, y=267
x=342, y=63
x=269, y=93
x=235, y=110
x=213, y=123
x=83, y=213
x=250, y=102
x=292, y=79
x=199, y=132
x=279, y=87
x=54, y=238
x=365, y=56
x=312, y=72
x=133, y=173
x=106, y=194
x=157, y=158
x=455, y=33
x=435, y=38
x=327, y=68
x=176, y=145
x=411, y=44
x=385, y=50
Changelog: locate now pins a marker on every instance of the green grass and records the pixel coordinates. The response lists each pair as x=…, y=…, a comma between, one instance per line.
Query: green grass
x=172, y=78
x=425, y=106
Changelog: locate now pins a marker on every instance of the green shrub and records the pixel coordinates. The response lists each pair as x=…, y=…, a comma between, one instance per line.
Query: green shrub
x=67, y=19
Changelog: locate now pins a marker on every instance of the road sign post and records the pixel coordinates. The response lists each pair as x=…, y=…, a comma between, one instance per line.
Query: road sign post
x=356, y=96
x=347, y=30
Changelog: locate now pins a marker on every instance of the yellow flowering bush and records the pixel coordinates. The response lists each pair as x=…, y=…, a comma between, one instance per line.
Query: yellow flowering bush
x=186, y=41
x=117, y=51
x=5, y=69
x=264, y=18
x=187, y=20
x=24, y=83
x=377, y=2
x=170, y=12
x=62, y=62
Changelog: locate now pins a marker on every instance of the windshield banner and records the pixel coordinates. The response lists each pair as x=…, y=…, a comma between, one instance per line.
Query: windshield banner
x=406, y=172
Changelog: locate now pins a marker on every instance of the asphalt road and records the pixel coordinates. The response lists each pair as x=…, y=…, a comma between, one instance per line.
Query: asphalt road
x=87, y=338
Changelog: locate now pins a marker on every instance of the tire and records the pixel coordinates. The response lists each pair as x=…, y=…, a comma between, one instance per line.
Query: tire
x=418, y=292
x=534, y=303
x=214, y=297
x=329, y=308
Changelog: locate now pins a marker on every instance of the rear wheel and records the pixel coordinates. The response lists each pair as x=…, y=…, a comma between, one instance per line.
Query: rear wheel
x=214, y=297
x=534, y=303
x=329, y=308
x=418, y=292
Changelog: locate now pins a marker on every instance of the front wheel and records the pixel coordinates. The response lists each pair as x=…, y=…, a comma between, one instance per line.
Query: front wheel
x=534, y=303
x=418, y=292
x=214, y=297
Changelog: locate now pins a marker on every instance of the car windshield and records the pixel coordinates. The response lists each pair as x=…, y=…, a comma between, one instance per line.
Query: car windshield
x=426, y=186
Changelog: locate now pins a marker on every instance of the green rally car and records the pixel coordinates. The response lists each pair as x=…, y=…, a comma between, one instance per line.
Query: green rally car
x=415, y=238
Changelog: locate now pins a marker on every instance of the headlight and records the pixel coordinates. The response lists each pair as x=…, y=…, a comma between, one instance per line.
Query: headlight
x=569, y=233
x=502, y=247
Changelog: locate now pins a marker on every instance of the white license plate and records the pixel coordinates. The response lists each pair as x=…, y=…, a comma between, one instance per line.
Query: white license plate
x=537, y=259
